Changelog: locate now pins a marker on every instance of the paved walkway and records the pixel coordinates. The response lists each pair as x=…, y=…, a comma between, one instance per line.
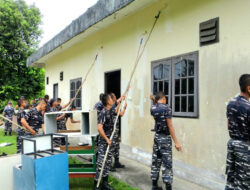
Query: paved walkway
x=138, y=175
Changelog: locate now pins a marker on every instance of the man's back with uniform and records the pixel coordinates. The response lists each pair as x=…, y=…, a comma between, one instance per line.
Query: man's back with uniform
x=238, y=154
x=238, y=114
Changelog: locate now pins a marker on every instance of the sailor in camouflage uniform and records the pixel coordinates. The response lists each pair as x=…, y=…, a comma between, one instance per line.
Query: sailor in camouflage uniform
x=162, y=149
x=46, y=99
x=99, y=105
x=106, y=120
x=8, y=112
x=116, y=139
x=33, y=120
x=20, y=130
x=54, y=107
x=238, y=155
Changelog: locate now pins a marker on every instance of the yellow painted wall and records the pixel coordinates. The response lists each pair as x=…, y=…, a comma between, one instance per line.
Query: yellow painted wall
x=177, y=32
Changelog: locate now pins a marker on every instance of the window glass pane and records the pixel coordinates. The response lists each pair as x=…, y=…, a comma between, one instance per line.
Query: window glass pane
x=183, y=104
x=191, y=86
x=161, y=71
x=156, y=73
x=166, y=71
x=177, y=104
x=177, y=70
x=71, y=94
x=79, y=95
x=184, y=68
x=177, y=86
x=166, y=87
x=72, y=86
x=184, y=86
x=78, y=84
x=190, y=68
x=161, y=86
x=155, y=89
x=78, y=103
x=191, y=104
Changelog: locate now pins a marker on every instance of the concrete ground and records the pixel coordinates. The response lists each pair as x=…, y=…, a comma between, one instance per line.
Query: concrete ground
x=138, y=175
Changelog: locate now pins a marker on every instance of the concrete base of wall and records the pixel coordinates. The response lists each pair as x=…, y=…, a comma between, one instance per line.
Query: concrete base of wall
x=182, y=170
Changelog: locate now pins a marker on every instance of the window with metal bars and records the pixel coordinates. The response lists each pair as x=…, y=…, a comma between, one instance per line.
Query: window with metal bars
x=177, y=77
x=74, y=86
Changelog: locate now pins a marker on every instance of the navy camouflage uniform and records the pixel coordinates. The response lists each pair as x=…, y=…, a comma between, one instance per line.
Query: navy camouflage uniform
x=48, y=108
x=9, y=112
x=238, y=155
x=98, y=107
x=61, y=124
x=35, y=119
x=162, y=149
x=20, y=131
x=116, y=141
x=107, y=119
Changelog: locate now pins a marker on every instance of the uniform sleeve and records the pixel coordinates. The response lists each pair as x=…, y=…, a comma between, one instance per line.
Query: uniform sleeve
x=22, y=115
x=151, y=111
x=42, y=121
x=114, y=111
x=168, y=113
x=248, y=116
x=101, y=118
x=227, y=112
x=27, y=116
x=4, y=111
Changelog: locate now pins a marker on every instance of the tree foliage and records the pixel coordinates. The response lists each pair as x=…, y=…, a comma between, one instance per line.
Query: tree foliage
x=19, y=37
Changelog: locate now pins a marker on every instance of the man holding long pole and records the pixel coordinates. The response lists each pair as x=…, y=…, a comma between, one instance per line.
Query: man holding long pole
x=106, y=120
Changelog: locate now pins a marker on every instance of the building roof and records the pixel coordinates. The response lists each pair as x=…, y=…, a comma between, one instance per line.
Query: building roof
x=95, y=14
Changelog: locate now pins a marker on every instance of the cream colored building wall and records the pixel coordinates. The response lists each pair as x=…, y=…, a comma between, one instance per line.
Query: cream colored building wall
x=177, y=32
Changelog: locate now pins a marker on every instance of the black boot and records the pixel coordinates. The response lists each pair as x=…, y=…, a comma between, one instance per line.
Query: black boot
x=112, y=169
x=9, y=133
x=118, y=164
x=95, y=185
x=155, y=185
x=105, y=184
x=5, y=133
x=168, y=186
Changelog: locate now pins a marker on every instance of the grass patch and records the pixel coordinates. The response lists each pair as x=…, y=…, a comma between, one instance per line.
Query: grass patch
x=73, y=160
x=8, y=139
x=88, y=183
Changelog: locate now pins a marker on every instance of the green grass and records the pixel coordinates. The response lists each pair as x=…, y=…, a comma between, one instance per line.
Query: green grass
x=8, y=139
x=88, y=183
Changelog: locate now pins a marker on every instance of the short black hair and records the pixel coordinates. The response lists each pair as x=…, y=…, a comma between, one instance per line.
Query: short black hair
x=59, y=99
x=22, y=98
x=46, y=97
x=20, y=102
x=244, y=82
x=159, y=96
x=51, y=102
x=105, y=99
x=100, y=96
x=112, y=95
